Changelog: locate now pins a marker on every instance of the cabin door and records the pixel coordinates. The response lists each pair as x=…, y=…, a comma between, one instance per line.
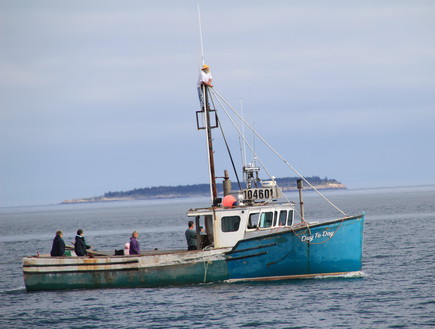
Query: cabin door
x=204, y=226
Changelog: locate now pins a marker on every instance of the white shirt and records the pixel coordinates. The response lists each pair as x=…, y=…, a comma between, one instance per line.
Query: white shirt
x=204, y=77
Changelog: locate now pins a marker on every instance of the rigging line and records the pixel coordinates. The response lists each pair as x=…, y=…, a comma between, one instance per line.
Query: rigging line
x=279, y=155
x=229, y=151
x=238, y=130
x=247, y=143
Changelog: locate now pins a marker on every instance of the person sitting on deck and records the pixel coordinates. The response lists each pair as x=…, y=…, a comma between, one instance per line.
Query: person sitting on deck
x=80, y=246
x=127, y=249
x=58, y=248
x=191, y=236
x=134, y=244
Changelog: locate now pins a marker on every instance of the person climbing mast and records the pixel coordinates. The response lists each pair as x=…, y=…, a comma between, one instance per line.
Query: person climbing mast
x=204, y=81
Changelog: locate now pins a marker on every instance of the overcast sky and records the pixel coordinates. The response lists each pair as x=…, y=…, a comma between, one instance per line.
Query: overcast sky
x=99, y=96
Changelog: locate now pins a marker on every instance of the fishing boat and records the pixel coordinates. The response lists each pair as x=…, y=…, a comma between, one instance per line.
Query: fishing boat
x=252, y=233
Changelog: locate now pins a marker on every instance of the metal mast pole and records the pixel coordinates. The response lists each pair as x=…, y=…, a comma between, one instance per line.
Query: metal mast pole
x=213, y=188
x=210, y=146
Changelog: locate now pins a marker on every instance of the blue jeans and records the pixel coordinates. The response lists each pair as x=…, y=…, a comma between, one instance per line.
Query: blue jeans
x=201, y=97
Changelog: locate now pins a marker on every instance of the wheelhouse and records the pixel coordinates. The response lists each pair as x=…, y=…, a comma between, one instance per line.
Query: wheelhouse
x=224, y=227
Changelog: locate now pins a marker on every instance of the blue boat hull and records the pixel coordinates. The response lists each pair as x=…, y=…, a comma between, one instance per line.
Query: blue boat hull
x=323, y=249
x=332, y=247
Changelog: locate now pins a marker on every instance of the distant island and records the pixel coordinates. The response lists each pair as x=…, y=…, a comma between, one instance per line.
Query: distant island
x=180, y=191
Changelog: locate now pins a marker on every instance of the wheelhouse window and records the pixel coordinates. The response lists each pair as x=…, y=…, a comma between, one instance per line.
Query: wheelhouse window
x=230, y=223
x=282, y=218
x=275, y=219
x=266, y=219
x=290, y=218
x=253, y=220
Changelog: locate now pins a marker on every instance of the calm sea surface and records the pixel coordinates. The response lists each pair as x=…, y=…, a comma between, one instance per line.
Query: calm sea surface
x=396, y=291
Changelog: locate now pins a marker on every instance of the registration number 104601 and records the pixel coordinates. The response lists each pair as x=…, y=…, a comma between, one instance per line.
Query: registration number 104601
x=259, y=193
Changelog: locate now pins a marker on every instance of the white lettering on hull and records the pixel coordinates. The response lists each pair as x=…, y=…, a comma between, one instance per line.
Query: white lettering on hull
x=317, y=235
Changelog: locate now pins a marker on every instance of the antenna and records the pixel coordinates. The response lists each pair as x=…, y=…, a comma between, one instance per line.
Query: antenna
x=200, y=36
x=243, y=133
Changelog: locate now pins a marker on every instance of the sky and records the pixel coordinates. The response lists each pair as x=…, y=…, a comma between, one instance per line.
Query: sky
x=99, y=96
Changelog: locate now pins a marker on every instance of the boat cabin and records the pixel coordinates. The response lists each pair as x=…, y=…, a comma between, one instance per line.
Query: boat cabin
x=224, y=227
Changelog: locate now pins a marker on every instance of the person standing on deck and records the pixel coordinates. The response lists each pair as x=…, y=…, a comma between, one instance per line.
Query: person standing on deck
x=134, y=244
x=80, y=246
x=204, y=78
x=191, y=236
x=58, y=248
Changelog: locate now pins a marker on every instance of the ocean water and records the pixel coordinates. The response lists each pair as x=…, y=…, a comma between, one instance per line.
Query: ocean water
x=396, y=291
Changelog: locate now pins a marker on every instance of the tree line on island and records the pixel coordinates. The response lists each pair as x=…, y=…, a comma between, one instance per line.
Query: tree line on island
x=286, y=184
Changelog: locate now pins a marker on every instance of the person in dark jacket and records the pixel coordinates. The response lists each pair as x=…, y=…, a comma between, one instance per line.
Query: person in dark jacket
x=191, y=236
x=80, y=245
x=58, y=248
x=134, y=244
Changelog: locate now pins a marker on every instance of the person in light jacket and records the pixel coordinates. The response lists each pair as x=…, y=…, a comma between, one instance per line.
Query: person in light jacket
x=127, y=249
x=206, y=79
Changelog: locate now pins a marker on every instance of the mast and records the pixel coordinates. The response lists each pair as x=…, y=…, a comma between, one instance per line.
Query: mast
x=208, y=126
x=200, y=36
